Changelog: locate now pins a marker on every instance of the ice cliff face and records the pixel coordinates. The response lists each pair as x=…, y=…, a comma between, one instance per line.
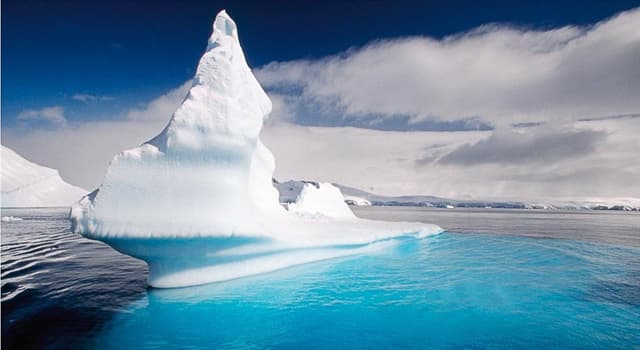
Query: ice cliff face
x=26, y=184
x=197, y=202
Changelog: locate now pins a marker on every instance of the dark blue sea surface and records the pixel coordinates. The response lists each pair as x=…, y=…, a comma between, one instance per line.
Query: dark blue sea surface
x=499, y=279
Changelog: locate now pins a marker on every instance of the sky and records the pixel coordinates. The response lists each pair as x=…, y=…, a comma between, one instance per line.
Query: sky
x=462, y=99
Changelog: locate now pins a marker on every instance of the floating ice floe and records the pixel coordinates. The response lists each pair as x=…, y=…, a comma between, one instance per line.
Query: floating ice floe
x=197, y=202
x=11, y=219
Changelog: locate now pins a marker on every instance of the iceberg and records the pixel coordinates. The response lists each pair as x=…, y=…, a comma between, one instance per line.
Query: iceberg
x=310, y=198
x=11, y=218
x=26, y=184
x=197, y=202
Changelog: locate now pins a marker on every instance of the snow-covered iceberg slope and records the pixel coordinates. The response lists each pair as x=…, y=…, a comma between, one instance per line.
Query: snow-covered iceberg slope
x=313, y=199
x=26, y=184
x=197, y=202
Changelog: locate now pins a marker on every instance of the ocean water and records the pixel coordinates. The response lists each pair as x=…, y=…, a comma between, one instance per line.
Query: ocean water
x=498, y=279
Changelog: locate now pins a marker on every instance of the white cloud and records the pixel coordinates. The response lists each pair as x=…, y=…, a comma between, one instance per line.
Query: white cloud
x=500, y=74
x=53, y=115
x=161, y=108
x=86, y=98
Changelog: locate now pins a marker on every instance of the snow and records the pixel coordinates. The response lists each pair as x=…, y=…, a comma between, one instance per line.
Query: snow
x=26, y=184
x=197, y=202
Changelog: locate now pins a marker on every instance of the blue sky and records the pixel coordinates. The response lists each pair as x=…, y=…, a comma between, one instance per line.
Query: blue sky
x=495, y=99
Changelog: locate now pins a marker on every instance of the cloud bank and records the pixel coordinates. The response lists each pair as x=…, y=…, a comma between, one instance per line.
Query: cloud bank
x=542, y=145
x=498, y=74
x=53, y=115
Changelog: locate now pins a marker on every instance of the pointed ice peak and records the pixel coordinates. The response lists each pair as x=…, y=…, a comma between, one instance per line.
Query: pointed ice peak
x=226, y=106
x=223, y=26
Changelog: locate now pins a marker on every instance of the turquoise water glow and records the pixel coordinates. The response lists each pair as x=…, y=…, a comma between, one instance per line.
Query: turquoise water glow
x=449, y=291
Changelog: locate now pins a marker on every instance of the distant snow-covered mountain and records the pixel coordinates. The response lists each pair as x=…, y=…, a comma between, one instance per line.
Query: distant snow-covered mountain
x=353, y=196
x=625, y=204
x=26, y=184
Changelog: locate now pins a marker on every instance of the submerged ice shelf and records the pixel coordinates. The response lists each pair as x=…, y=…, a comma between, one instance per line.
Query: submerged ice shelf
x=197, y=202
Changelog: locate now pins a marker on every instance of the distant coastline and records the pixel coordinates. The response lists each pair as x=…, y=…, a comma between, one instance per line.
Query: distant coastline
x=356, y=197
